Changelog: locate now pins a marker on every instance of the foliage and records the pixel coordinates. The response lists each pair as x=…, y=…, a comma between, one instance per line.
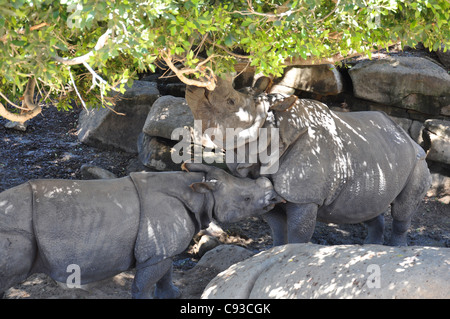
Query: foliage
x=207, y=36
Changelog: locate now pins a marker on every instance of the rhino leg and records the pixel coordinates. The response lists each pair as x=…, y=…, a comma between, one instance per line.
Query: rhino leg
x=301, y=221
x=406, y=203
x=375, y=230
x=276, y=219
x=165, y=289
x=159, y=274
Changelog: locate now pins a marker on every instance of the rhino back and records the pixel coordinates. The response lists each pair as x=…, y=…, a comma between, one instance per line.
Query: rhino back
x=169, y=209
x=92, y=224
x=381, y=157
x=345, y=156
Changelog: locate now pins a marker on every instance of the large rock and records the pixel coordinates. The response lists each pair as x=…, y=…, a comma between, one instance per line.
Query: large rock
x=89, y=171
x=168, y=113
x=193, y=281
x=444, y=57
x=224, y=256
x=156, y=153
x=105, y=129
x=346, y=271
x=156, y=145
x=322, y=79
x=413, y=83
x=413, y=128
x=436, y=136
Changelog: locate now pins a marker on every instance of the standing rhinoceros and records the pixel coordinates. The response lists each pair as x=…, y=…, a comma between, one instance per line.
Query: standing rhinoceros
x=108, y=226
x=334, y=167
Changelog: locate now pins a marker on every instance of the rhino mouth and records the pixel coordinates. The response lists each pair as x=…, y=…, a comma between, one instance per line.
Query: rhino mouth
x=269, y=207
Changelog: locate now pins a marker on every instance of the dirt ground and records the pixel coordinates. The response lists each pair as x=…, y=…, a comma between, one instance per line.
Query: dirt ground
x=50, y=149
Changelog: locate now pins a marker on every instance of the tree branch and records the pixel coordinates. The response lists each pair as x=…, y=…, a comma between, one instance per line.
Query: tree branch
x=84, y=58
x=22, y=31
x=330, y=60
x=316, y=61
x=331, y=12
x=282, y=12
x=209, y=84
x=240, y=56
x=33, y=109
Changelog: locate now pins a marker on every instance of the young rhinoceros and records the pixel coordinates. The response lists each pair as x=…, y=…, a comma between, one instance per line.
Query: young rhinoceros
x=109, y=226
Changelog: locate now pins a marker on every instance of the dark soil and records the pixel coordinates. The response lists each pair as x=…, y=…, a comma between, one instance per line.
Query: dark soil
x=50, y=149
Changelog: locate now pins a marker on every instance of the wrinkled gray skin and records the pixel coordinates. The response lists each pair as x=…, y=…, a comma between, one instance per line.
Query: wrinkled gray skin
x=334, y=167
x=109, y=226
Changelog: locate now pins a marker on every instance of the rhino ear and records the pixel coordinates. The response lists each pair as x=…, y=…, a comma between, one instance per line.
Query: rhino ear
x=284, y=104
x=204, y=187
x=263, y=84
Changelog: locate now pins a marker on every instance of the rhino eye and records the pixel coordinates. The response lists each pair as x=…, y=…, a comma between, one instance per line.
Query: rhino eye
x=230, y=102
x=247, y=199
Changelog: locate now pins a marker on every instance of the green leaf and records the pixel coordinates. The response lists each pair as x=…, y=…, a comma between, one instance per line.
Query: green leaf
x=229, y=40
x=19, y=43
x=179, y=50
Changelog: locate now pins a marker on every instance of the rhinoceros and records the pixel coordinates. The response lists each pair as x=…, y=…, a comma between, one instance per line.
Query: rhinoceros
x=334, y=167
x=105, y=227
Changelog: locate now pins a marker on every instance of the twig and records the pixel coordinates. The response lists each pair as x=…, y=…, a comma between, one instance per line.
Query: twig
x=331, y=12
x=76, y=90
x=13, y=104
x=95, y=76
x=240, y=56
x=22, y=31
x=84, y=58
x=270, y=16
x=210, y=84
x=38, y=26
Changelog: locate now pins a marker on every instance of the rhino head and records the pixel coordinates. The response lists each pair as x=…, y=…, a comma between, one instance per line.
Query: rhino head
x=234, y=198
x=225, y=108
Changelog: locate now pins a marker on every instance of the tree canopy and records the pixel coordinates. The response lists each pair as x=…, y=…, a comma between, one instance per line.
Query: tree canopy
x=73, y=50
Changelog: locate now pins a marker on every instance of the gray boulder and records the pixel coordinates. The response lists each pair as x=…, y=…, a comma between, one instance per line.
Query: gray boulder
x=444, y=57
x=298, y=271
x=224, y=256
x=412, y=127
x=106, y=129
x=168, y=113
x=436, y=136
x=155, y=153
x=194, y=280
x=322, y=79
x=16, y=126
x=156, y=143
x=413, y=83
x=89, y=171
